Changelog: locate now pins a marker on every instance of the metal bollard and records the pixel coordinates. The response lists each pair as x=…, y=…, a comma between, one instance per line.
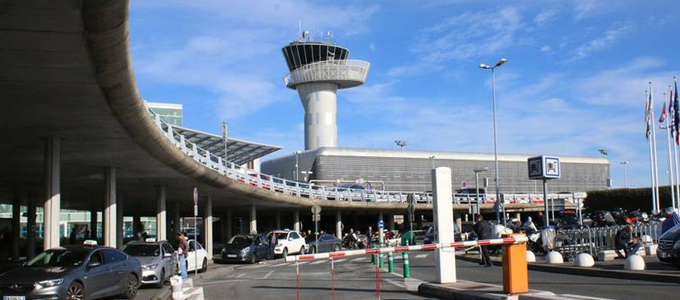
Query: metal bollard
x=407, y=266
x=373, y=255
x=390, y=262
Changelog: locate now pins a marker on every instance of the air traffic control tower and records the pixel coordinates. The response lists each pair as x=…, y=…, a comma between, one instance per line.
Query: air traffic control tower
x=317, y=71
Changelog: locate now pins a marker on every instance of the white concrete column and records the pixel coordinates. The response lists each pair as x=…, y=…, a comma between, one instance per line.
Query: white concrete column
x=119, y=220
x=518, y=216
x=16, y=225
x=296, y=220
x=176, y=220
x=338, y=224
x=277, y=220
x=320, y=102
x=390, y=222
x=52, y=201
x=161, y=214
x=443, y=218
x=30, y=229
x=208, y=227
x=380, y=216
x=110, y=210
x=229, y=225
x=253, y=219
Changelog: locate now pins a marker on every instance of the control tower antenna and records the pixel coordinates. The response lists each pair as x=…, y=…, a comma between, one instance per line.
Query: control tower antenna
x=317, y=70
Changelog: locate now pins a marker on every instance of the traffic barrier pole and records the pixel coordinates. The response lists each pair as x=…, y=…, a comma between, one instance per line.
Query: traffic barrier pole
x=297, y=281
x=515, y=270
x=332, y=279
x=407, y=266
x=390, y=262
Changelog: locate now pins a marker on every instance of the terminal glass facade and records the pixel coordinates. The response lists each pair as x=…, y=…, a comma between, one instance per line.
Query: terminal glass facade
x=168, y=112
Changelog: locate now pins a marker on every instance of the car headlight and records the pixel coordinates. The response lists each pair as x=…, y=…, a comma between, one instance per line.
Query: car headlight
x=49, y=283
x=149, y=267
x=676, y=245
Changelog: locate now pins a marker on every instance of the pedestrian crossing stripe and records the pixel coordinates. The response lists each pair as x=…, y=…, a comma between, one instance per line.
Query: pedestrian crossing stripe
x=358, y=259
x=317, y=262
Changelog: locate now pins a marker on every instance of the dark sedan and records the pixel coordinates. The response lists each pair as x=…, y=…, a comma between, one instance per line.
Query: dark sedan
x=669, y=247
x=327, y=243
x=245, y=248
x=74, y=273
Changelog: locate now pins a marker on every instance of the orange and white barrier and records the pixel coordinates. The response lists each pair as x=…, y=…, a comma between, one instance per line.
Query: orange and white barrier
x=428, y=247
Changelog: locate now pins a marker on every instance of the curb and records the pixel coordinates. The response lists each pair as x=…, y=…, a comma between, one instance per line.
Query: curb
x=594, y=272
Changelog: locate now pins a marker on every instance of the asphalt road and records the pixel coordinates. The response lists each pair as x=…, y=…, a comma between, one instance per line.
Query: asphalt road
x=355, y=279
x=422, y=266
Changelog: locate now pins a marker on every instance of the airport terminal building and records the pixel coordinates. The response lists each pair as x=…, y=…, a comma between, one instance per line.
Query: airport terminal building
x=403, y=170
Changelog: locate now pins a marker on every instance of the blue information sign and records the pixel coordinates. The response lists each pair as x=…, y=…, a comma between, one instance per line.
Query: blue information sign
x=381, y=224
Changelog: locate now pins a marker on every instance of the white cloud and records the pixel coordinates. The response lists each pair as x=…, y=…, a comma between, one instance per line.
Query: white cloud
x=608, y=39
x=546, y=16
x=546, y=48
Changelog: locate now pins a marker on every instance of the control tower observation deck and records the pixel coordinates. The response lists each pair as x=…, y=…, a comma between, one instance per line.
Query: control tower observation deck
x=317, y=71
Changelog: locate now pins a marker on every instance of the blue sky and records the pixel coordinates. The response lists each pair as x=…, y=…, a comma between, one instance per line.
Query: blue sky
x=575, y=81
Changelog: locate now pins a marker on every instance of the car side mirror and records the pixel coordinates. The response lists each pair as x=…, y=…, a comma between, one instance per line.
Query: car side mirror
x=93, y=264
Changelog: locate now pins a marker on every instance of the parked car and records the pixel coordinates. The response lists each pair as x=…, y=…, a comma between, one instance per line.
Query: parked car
x=430, y=238
x=201, y=253
x=288, y=242
x=245, y=247
x=158, y=260
x=669, y=247
x=74, y=272
x=327, y=243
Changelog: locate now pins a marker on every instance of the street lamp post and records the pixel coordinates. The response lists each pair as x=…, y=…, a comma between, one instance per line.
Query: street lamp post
x=297, y=166
x=625, y=175
x=495, y=139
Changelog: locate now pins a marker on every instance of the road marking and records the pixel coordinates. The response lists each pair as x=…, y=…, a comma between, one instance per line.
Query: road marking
x=340, y=260
x=317, y=262
x=241, y=275
x=267, y=276
x=394, y=282
x=222, y=281
x=421, y=255
x=358, y=259
x=299, y=264
x=280, y=265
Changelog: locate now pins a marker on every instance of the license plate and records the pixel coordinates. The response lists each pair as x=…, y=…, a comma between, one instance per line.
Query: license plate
x=663, y=254
x=13, y=298
x=231, y=255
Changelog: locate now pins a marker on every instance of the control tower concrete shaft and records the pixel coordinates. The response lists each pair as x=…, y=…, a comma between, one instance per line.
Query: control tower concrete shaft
x=317, y=71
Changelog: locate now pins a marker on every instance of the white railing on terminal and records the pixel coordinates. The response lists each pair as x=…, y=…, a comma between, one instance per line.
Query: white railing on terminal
x=352, y=71
x=313, y=191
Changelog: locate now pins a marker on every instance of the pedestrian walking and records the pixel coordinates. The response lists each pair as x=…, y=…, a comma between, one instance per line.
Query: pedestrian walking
x=483, y=231
x=183, y=253
x=272, y=244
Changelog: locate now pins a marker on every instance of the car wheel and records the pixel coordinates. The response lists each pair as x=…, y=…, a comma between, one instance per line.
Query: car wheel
x=161, y=280
x=253, y=258
x=75, y=292
x=131, y=286
x=285, y=252
x=204, y=267
x=336, y=248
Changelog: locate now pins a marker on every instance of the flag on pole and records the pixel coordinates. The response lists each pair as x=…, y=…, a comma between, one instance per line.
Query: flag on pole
x=664, y=114
x=648, y=118
x=676, y=108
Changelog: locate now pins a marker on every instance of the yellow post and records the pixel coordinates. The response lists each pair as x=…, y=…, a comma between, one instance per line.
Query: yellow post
x=515, y=270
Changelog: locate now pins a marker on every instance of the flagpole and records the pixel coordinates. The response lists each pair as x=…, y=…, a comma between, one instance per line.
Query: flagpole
x=676, y=118
x=648, y=119
x=656, y=157
x=671, y=175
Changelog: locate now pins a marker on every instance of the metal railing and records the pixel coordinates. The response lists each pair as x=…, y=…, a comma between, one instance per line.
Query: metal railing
x=302, y=189
x=351, y=70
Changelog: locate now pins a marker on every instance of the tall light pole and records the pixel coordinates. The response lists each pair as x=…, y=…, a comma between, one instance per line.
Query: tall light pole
x=495, y=139
x=297, y=166
x=625, y=175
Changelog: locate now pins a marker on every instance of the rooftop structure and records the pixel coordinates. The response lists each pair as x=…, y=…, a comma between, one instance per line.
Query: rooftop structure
x=170, y=113
x=317, y=71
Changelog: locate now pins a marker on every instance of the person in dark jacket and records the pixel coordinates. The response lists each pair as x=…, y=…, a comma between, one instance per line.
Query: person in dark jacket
x=183, y=253
x=483, y=231
x=626, y=242
x=272, y=245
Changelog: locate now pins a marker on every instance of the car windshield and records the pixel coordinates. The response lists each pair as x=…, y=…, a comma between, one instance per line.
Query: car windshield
x=142, y=250
x=240, y=240
x=281, y=236
x=58, y=258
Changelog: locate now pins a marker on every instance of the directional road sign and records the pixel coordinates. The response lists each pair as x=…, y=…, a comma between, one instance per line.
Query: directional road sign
x=381, y=224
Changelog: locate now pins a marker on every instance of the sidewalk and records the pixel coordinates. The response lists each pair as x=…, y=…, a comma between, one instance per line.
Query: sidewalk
x=655, y=271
